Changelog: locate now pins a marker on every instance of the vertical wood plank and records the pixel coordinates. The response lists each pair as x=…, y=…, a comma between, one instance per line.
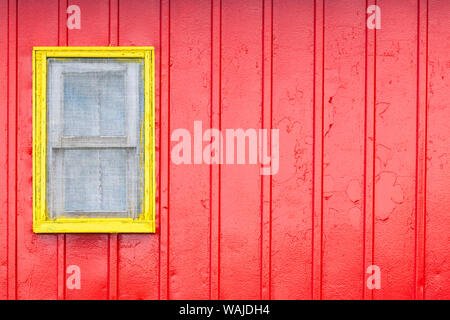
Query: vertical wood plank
x=421, y=148
x=216, y=72
x=190, y=94
x=437, y=253
x=241, y=184
x=165, y=151
x=61, y=266
x=395, y=147
x=343, y=166
x=36, y=254
x=318, y=122
x=369, y=151
x=293, y=73
x=113, y=22
x=266, y=181
x=11, y=147
x=62, y=22
x=113, y=263
x=4, y=98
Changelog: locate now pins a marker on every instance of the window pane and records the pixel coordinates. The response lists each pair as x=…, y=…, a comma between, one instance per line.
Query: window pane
x=112, y=106
x=95, y=180
x=94, y=104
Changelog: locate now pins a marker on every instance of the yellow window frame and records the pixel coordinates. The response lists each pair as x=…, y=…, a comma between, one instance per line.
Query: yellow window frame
x=42, y=223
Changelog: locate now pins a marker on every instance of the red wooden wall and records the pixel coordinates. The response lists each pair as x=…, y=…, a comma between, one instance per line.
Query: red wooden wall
x=364, y=151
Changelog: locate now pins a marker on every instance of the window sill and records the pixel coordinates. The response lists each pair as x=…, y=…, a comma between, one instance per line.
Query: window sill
x=124, y=225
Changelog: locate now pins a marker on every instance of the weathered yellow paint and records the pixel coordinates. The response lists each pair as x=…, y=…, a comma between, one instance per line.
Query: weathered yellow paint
x=93, y=226
x=42, y=223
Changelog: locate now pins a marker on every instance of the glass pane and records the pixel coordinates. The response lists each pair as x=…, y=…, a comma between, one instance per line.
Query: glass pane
x=112, y=106
x=94, y=104
x=95, y=180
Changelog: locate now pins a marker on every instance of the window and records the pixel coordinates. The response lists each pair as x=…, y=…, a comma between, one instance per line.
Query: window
x=93, y=140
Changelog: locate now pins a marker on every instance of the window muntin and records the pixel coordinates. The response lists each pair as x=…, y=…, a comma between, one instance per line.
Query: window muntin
x=94, y=132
